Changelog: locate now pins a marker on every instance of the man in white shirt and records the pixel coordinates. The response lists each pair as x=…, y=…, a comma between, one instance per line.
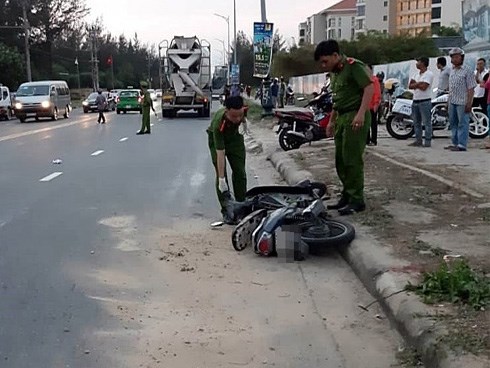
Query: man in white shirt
x=479, y=99
x=421, y=109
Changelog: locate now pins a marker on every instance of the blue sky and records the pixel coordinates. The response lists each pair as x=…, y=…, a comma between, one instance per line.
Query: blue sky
x=155, y=20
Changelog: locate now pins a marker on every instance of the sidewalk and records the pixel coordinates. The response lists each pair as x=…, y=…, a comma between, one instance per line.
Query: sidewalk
x=422, y=204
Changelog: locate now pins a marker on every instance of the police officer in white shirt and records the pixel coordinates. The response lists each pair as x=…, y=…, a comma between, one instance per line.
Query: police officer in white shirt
x=420, y=83
x=479, y=99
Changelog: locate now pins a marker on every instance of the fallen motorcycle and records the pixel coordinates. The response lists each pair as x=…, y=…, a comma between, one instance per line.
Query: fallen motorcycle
x=288, y=218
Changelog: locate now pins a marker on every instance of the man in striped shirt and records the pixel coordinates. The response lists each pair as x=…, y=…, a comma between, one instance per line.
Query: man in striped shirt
x=461, y=91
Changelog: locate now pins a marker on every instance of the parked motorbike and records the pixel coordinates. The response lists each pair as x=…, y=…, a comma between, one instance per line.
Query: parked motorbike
x=400, y=124
x=304, y=125
x=296, y=212
x=290, y=98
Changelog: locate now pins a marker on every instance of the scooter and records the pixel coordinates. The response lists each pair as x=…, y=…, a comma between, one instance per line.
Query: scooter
x=290, y=219
x=400, y=124
x=304, y=125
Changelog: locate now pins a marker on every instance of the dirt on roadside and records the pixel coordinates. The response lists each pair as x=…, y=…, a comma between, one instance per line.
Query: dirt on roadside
x=420, y=220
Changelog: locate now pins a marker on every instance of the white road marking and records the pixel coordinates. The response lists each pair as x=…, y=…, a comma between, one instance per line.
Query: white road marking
x=123, y=139
x=96, y=153
x=32, y=132
x=51, y=176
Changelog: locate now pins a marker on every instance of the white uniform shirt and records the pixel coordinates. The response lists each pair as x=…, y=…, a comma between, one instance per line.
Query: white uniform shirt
x=480, y=91
x=426, y=77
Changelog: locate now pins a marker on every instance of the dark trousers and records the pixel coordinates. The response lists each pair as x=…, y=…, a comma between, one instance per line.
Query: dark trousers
x=101, y=118
x=480, y=102
x=372, y=136
x=236, y=156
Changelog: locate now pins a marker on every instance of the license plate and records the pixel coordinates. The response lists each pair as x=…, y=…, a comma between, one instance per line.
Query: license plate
x=128, y=106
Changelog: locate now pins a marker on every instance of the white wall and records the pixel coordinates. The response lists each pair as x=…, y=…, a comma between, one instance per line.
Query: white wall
x=402, y=71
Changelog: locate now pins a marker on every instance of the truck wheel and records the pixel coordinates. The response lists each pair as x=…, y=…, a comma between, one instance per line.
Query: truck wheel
x=118, y=111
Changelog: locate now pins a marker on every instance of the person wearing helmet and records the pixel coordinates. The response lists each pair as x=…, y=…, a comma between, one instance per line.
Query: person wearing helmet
x=462, y=85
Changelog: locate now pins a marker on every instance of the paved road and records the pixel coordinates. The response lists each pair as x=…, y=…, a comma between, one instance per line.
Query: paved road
x=83, y=277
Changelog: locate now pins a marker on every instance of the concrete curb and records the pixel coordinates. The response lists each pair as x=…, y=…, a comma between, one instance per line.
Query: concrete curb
x=385, y=277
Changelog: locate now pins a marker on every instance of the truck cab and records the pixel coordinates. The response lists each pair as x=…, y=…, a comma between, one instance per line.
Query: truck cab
x=6, y=107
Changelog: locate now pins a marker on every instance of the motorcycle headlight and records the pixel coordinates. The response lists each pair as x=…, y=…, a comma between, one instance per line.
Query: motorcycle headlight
x=85, y=103
x=45, y=104
x=18, y=106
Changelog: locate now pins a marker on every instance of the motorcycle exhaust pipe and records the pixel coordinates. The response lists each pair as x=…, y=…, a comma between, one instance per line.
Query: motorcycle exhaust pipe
x=297, y=134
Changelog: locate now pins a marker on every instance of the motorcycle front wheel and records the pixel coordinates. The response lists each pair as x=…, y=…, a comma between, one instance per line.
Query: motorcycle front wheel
x=286, y=142
x=398, y=128
x=330, y=232
x=479, y=124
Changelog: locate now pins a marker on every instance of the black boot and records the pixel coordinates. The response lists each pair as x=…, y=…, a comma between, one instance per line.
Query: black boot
x=140, y=132
x=341, y=203
x=352, y=208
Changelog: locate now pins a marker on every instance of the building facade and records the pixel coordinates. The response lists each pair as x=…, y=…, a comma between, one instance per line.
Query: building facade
x=336, y=22
x=447, y=13
x=302, y=33
x=414, y=17
x=376, y=15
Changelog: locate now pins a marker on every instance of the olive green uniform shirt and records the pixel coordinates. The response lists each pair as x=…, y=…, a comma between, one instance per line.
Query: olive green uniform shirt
x=348, y=85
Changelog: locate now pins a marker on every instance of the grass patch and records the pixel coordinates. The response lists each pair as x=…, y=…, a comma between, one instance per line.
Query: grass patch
x=456, y=283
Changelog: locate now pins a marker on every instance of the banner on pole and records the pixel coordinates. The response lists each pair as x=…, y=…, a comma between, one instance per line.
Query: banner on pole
x=235, y=74
x=263, y=42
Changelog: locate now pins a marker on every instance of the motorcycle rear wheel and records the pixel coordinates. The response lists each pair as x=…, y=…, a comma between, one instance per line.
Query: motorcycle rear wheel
x=332, y=233
x=393, y=128
x=286, y=143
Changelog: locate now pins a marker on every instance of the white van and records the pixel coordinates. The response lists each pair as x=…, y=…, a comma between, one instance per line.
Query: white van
x=42, y=99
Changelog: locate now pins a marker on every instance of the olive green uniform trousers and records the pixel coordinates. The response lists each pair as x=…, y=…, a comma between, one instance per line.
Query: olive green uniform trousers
x=349, y=155
x=145, y=121
x=235, y=154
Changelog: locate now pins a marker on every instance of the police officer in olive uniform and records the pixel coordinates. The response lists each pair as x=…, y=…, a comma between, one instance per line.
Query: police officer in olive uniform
x=352, y=92
x=226, y=142
x=147, y=104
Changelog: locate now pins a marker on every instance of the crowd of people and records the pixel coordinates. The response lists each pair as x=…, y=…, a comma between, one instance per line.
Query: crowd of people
x=357, y=96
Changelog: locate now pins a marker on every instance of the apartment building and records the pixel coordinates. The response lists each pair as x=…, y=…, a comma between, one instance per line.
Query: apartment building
x=376, y=15
x=341, y=20
x=336, y=22
x=413, y=17
x=447, y=13
x=302, y=33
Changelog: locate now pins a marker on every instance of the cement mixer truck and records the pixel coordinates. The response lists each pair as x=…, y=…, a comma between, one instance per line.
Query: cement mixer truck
x=185, y=76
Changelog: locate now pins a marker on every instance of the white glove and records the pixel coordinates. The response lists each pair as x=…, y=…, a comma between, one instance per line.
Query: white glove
x=223, y=187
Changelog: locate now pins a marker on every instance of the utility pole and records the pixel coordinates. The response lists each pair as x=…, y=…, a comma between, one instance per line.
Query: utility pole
x=234, y=31
x=94, y=61
x=263, y=11
x=27, y=33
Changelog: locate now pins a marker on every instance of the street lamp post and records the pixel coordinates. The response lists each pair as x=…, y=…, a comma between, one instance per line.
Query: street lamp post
x=227, y=20
x=235, y=50
x=224, y=50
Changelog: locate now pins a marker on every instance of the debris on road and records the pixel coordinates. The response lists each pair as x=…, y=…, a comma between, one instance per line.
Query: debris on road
x=57, y=161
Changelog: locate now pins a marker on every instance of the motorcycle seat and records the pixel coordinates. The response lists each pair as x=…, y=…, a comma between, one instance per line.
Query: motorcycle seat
x=299, y=113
